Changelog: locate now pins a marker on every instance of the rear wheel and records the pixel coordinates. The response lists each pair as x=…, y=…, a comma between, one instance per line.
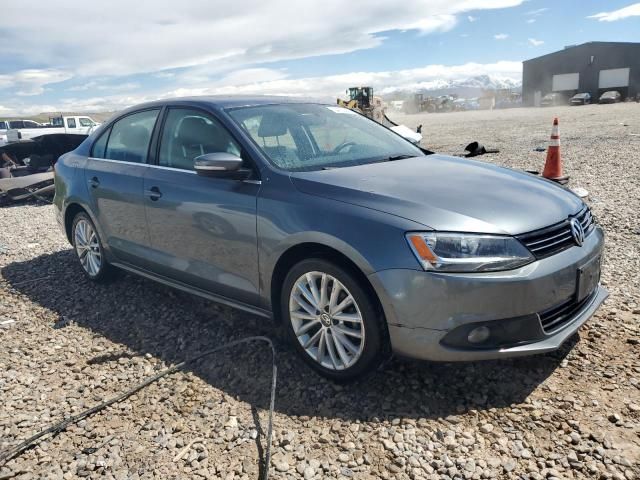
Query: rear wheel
x=332, y=320
x=89, y=250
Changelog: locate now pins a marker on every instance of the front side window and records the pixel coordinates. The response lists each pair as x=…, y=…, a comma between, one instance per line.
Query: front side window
x=85, y=122
x=298, y=137
x=30, y=124
x=3, y=125
x=130, y=137
x=189, y=133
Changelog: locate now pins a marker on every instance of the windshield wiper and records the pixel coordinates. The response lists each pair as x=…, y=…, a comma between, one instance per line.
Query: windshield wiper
x=391, y=158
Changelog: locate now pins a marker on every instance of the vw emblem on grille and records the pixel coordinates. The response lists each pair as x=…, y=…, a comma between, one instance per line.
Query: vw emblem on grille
x=577, y=231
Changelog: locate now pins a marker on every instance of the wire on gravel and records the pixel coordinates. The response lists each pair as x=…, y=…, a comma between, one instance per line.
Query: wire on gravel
x=27, y=282
x=56, y=428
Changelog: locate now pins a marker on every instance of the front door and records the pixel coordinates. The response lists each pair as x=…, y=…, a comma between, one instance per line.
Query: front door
x=114, y=176
x=202, y=229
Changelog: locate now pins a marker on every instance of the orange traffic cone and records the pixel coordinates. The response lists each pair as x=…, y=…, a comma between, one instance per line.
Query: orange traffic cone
x=553, y=165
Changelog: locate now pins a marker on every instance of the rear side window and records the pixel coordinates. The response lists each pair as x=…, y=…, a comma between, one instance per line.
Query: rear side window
x=130, y=136
x=187, y=134
x=16, y=124
x=100, y=145
x=3, y=125
x=71, y=122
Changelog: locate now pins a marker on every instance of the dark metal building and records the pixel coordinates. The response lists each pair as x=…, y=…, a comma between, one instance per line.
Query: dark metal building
x=592, y=67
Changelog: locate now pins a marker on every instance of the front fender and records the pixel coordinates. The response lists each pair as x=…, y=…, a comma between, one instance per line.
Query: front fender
x=371, y=239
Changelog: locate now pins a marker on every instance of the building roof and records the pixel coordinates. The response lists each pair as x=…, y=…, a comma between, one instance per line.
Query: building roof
x=582, y=45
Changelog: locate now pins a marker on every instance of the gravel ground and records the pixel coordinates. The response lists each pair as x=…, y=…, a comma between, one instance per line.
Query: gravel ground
x=67, y=344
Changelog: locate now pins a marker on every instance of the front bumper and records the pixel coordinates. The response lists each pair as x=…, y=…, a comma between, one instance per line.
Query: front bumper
x=425, y=309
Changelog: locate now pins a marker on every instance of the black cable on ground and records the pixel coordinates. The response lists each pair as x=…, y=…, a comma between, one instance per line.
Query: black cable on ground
x=60, y=426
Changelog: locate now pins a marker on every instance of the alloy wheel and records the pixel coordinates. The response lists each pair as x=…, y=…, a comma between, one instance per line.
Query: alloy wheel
x=326, y=320
x=88, y=247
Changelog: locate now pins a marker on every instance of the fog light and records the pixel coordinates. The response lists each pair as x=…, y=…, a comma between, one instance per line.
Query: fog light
x=478, y=334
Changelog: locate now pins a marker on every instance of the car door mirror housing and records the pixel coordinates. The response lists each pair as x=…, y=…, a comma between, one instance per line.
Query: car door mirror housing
x=220, y=164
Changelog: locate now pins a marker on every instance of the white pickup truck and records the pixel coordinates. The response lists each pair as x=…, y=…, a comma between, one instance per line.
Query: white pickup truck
x=82, y=125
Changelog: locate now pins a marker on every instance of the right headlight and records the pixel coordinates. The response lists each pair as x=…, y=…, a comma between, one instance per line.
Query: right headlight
x=467, y=252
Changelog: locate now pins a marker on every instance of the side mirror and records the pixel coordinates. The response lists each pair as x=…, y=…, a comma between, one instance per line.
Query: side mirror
x=219, y=164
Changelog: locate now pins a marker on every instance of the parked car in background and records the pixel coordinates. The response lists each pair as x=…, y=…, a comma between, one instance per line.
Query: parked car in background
x=580, y=99
x=553, y=99
x=80, y=124
x=357, y=241
x=6, y=125
x=612, y=96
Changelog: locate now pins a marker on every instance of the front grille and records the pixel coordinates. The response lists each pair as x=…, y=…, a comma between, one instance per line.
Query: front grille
x=556, y=238
x=556, y=317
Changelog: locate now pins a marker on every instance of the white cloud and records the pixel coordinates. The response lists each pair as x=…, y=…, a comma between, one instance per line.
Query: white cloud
x=275, y=82
x=531, y=20
x=251, y=76
x=99, y=85
x=122, y=87
x=535, y=43
x=435, y=23
x=164, y=75
x=150, y=36
x=501, y=36
x=537, y=12
x=334, y=85
x=32, y=81
x=84, y=86
x=200, y=46
x=626, y=12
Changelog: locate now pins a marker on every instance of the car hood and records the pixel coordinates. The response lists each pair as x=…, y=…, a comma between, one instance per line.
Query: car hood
x=447, y=194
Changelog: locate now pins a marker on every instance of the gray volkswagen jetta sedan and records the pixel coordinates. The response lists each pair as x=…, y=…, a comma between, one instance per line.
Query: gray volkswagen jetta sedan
x=356, y=241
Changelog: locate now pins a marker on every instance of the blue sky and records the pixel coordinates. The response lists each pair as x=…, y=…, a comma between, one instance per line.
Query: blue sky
x=70, y=55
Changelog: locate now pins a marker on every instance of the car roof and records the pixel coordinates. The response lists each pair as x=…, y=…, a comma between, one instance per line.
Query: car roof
x=232, y=101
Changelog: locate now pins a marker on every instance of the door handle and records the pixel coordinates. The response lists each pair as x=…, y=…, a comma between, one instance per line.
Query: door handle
x=94, y=182
x=153, y=193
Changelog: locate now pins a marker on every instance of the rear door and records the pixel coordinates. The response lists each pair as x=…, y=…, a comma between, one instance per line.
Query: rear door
x=114, y=177
x=202, y=229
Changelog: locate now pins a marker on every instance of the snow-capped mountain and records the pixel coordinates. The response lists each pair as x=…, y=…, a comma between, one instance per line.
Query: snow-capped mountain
x=467, y=87
x=486, y=82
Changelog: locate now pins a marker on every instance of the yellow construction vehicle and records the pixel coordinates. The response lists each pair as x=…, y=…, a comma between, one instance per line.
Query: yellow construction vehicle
x=362, y=100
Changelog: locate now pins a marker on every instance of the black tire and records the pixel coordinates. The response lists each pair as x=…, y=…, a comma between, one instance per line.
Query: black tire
x=105, y=272
x=375, y=340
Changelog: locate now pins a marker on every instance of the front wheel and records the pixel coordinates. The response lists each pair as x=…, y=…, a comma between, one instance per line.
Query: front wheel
x=89, y=250
x=332, y=320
